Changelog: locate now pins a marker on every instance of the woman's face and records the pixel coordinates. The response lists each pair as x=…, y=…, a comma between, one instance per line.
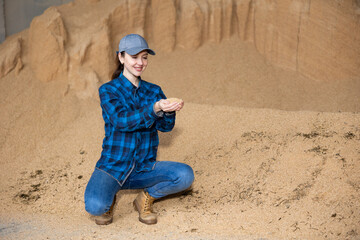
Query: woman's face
x=134, y=65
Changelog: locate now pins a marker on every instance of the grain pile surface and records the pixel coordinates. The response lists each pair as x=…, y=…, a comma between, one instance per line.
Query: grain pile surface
x=274, y=141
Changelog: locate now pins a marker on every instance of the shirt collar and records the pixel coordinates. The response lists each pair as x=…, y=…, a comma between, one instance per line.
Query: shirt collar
x=127, y=84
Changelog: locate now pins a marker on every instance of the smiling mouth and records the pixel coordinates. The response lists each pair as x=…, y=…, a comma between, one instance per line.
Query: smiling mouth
x=138, y=69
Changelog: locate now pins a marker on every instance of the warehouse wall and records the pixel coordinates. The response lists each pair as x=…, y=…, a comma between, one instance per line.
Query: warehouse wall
x=2, y=21
x=16, y=15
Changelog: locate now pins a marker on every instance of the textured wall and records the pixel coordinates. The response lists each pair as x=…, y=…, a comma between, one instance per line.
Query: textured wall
x=2, y=22
x=318, y=38
x=19, y=13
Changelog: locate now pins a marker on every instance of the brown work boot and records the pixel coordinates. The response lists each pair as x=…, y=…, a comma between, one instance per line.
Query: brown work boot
x=143, y=204
x=107, y=217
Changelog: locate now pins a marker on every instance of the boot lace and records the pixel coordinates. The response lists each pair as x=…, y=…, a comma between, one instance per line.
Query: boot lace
x=148, y=204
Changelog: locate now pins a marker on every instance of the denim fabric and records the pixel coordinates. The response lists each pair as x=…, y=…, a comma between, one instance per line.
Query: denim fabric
x=166, y=178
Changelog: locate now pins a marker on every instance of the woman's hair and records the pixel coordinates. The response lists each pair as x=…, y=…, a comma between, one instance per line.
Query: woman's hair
x=119, y=68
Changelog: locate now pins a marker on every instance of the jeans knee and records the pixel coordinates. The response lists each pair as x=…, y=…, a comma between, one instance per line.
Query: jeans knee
x=186, y=176
x=95, y=207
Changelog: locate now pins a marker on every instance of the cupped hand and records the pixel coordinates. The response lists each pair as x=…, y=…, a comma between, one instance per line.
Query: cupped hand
x=166, y=106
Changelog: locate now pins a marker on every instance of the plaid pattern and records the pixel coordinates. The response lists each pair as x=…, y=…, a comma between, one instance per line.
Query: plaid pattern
x=131, y=139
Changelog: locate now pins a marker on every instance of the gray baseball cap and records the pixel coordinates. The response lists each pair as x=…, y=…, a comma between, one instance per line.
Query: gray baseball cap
x=133, y=44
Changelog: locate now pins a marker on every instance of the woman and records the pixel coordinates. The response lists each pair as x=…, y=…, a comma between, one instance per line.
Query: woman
x=133, y=111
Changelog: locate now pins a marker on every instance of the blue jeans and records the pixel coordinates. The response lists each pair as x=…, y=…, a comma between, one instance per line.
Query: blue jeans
x=166, y=178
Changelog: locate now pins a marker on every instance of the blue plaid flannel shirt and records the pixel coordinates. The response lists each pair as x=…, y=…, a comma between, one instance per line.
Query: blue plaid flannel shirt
x=131, y=138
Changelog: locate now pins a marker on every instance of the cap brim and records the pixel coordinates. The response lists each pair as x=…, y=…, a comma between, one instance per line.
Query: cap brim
x=134, y=51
